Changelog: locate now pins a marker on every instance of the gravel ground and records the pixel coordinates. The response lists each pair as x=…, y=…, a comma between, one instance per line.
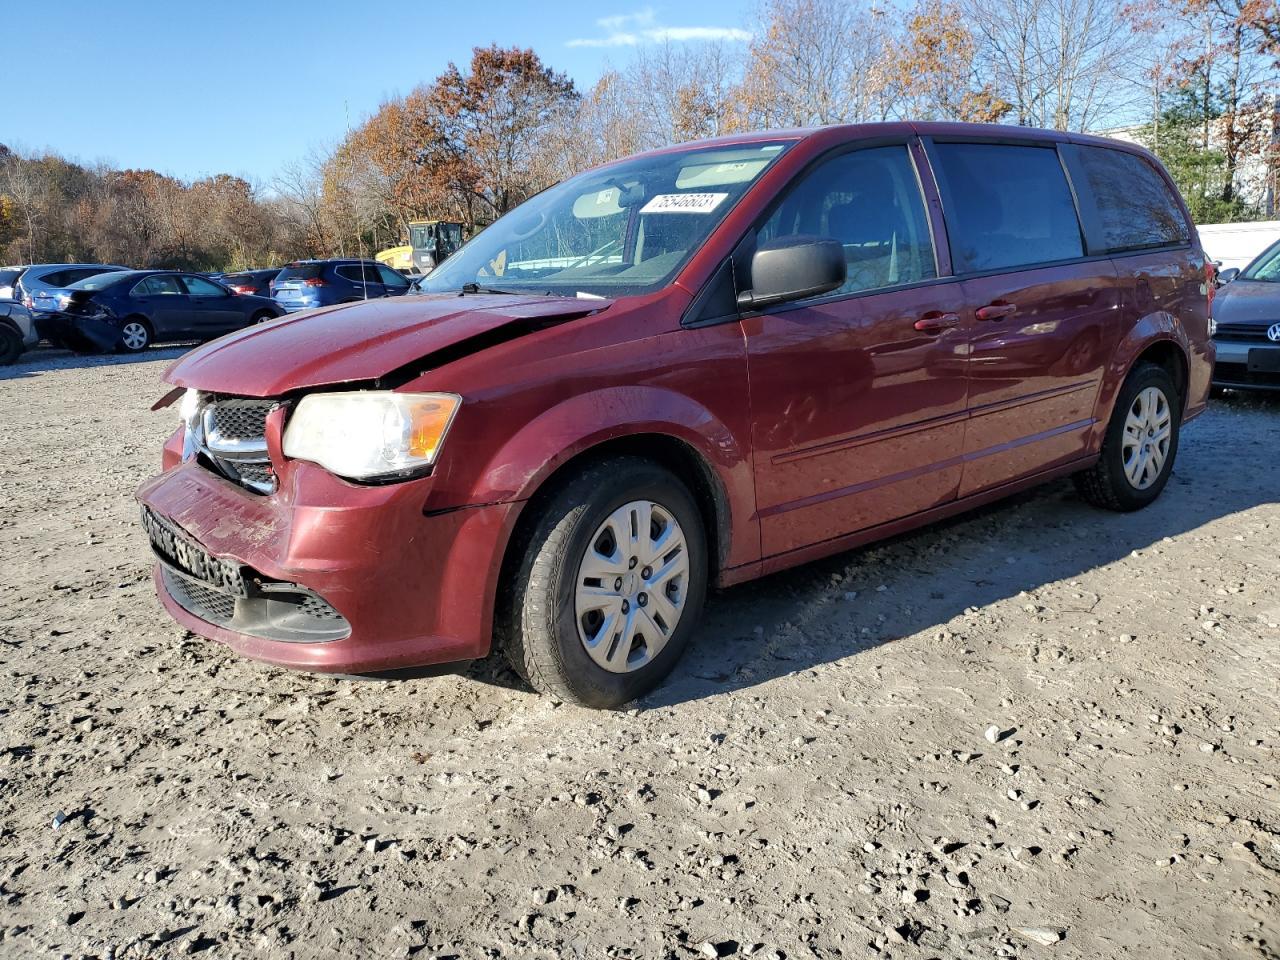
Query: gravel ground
x=1037, y=731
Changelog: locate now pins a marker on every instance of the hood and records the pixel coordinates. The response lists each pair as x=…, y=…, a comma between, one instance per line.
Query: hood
x=364, y=341
x=1248, y=301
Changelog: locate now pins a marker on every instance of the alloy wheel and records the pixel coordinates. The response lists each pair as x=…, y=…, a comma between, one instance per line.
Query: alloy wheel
x=631, y=586
x=1148, y=431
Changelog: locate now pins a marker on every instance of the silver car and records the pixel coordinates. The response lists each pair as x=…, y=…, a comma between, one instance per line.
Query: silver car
x=17, y=331
x=1246, y=312
x=38, y=285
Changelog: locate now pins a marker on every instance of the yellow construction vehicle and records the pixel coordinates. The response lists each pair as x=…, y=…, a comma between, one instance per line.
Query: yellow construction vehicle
x=432, y=242
x=397, y=258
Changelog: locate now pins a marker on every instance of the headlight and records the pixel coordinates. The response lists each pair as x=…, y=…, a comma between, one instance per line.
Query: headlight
x=370, y=435
x=189, y=411
x=1213, y=326
x=189, y=407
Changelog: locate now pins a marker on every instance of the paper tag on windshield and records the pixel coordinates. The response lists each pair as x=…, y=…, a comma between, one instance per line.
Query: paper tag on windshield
x=683, y=203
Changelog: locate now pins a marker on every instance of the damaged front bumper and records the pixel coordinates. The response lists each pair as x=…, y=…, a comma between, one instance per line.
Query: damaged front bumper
x=323, y=574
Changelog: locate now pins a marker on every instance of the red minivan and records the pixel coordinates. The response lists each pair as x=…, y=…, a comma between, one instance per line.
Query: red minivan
x=681, y=370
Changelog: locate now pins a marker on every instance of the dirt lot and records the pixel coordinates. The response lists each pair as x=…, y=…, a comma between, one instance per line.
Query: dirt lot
x=817, y=781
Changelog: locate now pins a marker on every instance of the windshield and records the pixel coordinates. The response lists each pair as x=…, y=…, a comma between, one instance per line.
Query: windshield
x=1266, y=266
x=619, y=230
x=420, y=237
x=100, y=281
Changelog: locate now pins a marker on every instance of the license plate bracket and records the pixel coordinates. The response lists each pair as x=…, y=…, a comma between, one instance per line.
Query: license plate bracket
x=1264, y=360
x=178, y=550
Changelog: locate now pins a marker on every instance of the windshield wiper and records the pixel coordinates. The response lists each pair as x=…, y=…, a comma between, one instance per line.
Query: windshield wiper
x=468, y=288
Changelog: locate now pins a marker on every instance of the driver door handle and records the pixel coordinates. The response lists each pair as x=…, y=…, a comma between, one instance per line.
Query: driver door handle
x=997, y=310
x=935, y=321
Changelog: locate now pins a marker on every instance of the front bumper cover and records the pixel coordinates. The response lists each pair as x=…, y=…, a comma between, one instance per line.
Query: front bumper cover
x=415, y=589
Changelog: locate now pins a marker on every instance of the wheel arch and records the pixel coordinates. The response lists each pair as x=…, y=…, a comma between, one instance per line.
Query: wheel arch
x=1169, y=355
x=1158, y=338
x=672, y=453
x=656, y=423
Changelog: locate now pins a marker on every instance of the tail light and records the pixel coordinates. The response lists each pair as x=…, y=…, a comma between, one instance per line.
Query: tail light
x=28, y=301
x=243, y=291
x=1210, y=280
x=314, y=282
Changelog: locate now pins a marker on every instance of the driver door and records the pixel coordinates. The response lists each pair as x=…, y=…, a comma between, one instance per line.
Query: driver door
x=214, y=309
x=858, y=397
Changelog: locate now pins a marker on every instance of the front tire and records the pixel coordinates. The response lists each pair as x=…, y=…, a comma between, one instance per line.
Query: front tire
x=607, y=585
x=1140, y=444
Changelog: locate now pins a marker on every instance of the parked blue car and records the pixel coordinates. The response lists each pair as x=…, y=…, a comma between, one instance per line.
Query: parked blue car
x=129, y=310
x=307, y=284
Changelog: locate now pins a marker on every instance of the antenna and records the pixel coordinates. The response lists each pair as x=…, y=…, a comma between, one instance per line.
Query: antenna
x=364, y=279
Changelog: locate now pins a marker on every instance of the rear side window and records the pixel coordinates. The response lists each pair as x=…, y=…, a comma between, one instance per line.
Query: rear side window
x=1136, y=209
x=157, y=287
x=1006, y=206
x=870, y=201
x=9, y=277
x=351, y=272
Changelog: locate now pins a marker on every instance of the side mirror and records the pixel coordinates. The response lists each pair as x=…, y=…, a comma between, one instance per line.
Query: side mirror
x=1227, y=275
x=792, y=268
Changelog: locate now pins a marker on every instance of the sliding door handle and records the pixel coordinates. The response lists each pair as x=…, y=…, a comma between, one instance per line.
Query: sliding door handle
x=936, y=322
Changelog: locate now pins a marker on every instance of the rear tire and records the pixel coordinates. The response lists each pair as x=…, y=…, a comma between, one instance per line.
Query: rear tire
x=1140, y=445
x=263, y=316
x=135, y=335
x=603, y=641
x=11, y=345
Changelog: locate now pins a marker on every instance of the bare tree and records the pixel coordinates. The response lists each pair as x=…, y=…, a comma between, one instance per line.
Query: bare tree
x=1059, y=63
x=817, y=62
x=27, y=188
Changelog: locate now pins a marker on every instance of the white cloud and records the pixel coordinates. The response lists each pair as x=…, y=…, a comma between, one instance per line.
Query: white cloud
x=632, y=29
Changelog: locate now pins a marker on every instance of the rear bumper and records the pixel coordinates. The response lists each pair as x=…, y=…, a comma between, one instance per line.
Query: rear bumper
x=414, y=589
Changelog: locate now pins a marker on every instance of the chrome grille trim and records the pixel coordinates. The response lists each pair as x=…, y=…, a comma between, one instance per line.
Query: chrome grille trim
x=233, y=437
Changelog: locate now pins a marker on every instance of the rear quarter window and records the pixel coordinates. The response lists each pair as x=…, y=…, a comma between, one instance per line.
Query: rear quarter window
x=1135, y=208
x=57, y=278
x=1006, y=206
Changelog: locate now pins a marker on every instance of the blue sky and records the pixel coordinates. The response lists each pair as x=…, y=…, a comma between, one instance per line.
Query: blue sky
x=245, y=87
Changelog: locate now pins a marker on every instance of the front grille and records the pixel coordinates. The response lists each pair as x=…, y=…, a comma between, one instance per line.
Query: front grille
x=239, y=420
x=1243, y=332
x=234, y=438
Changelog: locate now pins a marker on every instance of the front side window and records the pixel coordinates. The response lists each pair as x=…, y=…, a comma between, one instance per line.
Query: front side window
x=391, y=278
x=870, y=201
x=1006, y=206
x=1136, y=208
x=200, y=287
x=618, y=230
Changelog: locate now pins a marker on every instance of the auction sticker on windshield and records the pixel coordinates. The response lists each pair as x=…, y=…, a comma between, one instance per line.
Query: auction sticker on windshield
x=684, y=203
